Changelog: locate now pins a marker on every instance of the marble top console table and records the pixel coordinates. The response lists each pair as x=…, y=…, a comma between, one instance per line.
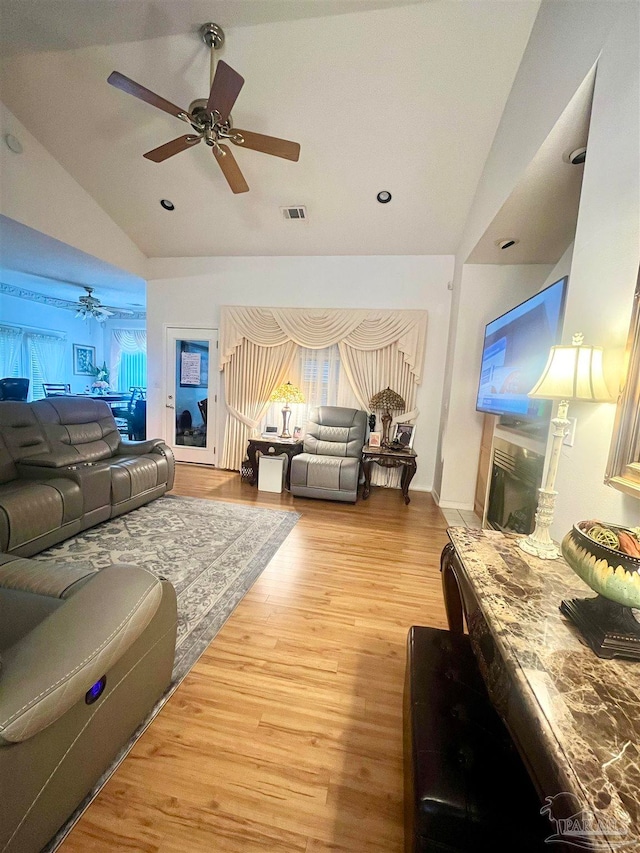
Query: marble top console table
x=574, y=717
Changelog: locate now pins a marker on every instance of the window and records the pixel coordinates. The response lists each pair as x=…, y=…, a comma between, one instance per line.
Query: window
x=321, y=378
x=36, y=355
x=128, y=359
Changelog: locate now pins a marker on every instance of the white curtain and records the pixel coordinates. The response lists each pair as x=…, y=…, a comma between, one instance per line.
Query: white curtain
x=375, y=349
x=250, y=377
x=10, y=344
x=369, y=371
x=126, y=340
x=317, y=328
x=47, y=351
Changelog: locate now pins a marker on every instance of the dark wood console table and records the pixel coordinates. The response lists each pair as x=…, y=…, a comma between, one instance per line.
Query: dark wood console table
x=574, y=717
x=389, y=459
x=272, y=447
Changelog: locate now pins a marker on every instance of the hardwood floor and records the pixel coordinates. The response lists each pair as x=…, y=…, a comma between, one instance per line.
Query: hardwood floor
x=287, y=734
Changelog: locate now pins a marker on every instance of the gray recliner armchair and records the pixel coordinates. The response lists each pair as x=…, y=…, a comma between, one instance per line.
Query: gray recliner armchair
x=85, y=655
x=329, y=467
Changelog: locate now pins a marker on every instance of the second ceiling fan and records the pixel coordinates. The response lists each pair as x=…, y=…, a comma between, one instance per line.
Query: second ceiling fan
x=211, y=118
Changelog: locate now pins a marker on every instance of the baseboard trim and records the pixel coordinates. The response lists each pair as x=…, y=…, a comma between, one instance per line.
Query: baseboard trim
x=455, y=505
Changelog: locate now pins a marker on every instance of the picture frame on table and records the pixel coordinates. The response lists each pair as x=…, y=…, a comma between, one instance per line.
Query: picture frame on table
x=297, y=433
x=375, y=439
x=84, y=359
x=404, y=434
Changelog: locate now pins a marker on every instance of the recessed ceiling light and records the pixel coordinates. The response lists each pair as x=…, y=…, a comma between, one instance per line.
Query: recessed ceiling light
x=13, y=143
x=577, y=157
x=384, y=196
x=168, y=205
x=506, y=242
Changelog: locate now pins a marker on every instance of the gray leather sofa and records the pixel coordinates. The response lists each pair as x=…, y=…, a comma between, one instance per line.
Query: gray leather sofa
x=64, y=467
x=329, y=466
x=62, y=631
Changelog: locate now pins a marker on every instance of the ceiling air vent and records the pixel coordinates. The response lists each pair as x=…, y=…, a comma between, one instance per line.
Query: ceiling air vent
x=297, y=213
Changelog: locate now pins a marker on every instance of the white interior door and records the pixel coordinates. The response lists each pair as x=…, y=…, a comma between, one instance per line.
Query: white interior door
x=191, y=394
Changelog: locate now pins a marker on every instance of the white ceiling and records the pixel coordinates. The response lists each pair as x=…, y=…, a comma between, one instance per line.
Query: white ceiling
x=34, y=25
x=37, y=263
x=405, y=99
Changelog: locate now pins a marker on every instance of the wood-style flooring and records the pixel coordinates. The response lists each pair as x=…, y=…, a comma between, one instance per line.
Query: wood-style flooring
x=287, y=734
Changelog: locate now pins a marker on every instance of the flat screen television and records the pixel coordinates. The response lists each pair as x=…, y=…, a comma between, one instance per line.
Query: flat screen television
x=516, y=347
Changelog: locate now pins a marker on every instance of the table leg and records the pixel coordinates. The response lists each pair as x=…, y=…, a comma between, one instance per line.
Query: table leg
x=287, y=476
x=407, y=476
x=253, y=460
x=366, y=467
x=451, y=590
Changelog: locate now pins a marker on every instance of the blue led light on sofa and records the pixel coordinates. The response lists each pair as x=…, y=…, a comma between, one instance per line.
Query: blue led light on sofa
x=95, y=692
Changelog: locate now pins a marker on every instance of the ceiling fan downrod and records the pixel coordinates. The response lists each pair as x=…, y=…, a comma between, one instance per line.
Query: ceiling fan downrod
x=213, y=36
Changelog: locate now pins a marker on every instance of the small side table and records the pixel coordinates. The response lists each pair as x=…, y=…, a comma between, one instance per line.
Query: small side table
x=389, y=459
x=272, y=447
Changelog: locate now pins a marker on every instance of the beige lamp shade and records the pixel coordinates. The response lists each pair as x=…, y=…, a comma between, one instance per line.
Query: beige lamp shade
x=287, y=393
x=573, y=373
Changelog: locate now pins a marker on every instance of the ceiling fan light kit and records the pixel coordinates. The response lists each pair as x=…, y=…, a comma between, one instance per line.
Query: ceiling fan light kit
x=90, y=308
x=210, y=117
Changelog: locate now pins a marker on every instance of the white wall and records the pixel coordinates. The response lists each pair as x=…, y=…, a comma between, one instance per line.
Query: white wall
x=485, y=292
x=24, y=312
x=37, y=191
x=189, y=291
x=604, y=270
x=565, y=41
x=564, y=44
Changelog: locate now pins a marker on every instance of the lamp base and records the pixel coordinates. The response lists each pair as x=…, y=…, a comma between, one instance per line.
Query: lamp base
x=539, y=543
x=610, y=629
x=286, y=417
x=544, y=550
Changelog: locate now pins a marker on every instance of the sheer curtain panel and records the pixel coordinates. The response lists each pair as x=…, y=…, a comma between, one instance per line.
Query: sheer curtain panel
x=10, y=346
x=128, y=361
x=47, y=361
x=250, y=377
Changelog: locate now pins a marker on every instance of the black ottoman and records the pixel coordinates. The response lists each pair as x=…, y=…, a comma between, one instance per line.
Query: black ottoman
x=466, y=788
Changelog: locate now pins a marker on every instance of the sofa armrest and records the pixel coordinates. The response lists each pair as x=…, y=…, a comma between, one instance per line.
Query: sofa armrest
x=138, y=448
x=57, y=459
x=51, y=668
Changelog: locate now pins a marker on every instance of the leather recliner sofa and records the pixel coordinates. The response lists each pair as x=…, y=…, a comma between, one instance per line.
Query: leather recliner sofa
x=84, y=658
x=64, y=467
x=329, y=466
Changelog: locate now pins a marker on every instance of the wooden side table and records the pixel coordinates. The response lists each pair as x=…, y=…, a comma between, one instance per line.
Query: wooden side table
x=272, y=447
x=389, y=459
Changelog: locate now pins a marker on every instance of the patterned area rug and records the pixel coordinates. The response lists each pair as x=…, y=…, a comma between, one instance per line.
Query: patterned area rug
x=212, y=552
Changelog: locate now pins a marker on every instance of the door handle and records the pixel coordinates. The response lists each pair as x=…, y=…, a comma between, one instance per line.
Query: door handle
x=167, y=406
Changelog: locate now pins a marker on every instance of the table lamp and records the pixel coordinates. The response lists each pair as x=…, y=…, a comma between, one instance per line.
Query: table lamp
x=286, y=393
x=387, y=401
x=572, y=373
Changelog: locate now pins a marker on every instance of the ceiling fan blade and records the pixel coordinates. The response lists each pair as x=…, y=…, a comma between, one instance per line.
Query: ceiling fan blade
x=268, y=144
x=225, y=88
x=132, y=88
x=170, y=148
x=231, y=170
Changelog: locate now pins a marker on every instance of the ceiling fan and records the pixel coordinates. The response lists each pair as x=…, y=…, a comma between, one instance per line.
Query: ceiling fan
x=90, y=307
x=210, y=118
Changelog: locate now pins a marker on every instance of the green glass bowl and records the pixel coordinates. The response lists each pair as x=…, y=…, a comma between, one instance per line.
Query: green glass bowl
x=610, y=573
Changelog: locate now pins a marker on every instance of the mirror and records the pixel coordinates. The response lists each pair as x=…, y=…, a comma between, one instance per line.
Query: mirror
x=623, y=468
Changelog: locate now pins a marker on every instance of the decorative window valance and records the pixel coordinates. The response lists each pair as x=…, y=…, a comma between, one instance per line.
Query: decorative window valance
x=317, y=328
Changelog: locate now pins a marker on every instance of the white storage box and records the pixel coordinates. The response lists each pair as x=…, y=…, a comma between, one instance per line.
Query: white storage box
x=271, y=473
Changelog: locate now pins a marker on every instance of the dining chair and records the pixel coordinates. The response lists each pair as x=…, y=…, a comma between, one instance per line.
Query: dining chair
x=13, y=388
x=55, y=389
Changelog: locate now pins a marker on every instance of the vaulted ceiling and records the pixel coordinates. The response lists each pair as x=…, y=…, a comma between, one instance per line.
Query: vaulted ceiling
x=404, y=97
